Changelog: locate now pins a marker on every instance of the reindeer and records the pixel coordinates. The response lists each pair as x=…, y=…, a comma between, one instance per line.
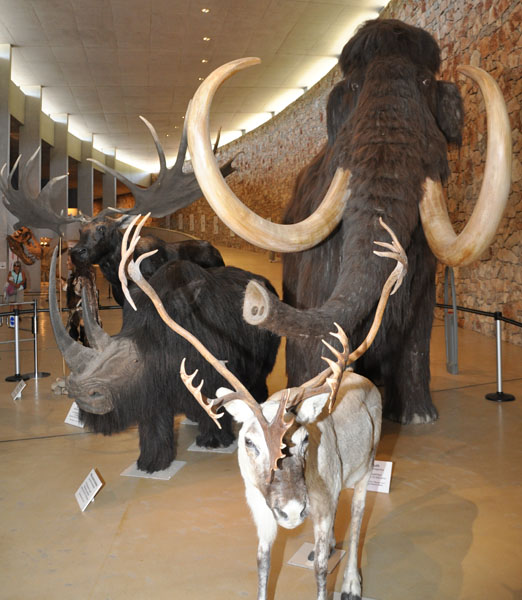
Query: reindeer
x=304, y=444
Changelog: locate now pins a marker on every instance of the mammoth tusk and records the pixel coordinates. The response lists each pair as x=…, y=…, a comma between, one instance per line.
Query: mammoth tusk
x=477, y=235
x=243, y=221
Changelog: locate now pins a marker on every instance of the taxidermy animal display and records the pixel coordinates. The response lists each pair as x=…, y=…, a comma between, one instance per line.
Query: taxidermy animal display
x=171, y=191
x=30, y=208
x=389, y=121
x=304, y=444
x=130, y=378
x=100, y=243
x=24, y=244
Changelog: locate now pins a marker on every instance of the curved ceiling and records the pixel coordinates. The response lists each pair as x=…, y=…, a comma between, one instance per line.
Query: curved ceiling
x=105, y=62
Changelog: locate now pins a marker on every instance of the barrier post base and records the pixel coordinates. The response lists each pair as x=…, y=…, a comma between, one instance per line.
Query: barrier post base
x=17, y=377
x=500, y=397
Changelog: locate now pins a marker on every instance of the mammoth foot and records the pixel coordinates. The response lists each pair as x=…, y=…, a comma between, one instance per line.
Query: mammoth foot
x=419, y=417
x=350, y=596
x=211, y=440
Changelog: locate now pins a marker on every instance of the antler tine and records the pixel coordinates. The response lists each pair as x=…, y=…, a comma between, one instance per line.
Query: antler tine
x=127, y=250
x=159, y=147
x=336, y=367
x=203, y=401
x=275, y=430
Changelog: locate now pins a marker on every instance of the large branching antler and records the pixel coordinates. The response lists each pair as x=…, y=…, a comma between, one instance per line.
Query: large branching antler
x=172, y=190
x=273, y=430
x=33, y=210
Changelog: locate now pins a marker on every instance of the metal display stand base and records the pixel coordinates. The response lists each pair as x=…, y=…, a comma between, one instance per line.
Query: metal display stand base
x=500, y=397
x=18, y=377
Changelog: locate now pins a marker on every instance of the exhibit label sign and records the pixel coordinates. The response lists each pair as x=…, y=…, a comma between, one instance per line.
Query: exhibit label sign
x=73, y=416
x=89, y=488
x=16, y=394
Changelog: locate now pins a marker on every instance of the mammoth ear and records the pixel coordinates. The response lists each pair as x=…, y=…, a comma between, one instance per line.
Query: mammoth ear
x=311, y=408
x=450, y=111
x=336, y=111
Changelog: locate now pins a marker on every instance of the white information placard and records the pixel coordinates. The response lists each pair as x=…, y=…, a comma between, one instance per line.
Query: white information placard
x=380, y=479
x=301, y=557
x=73, y=416
x=16, y=394
x=89, y=488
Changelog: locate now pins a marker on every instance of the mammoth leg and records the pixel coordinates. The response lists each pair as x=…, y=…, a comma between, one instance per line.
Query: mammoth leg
x=157, y=443
x=212, y=437
x=406, y=375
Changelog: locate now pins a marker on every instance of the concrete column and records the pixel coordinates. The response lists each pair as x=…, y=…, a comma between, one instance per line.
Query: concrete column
x=29, y=141
x=6, y=218
x=60, y=162
x=85, y=180
x=109, y=184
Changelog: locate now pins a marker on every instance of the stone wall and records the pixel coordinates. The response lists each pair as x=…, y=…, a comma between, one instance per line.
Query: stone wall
x=484, y=33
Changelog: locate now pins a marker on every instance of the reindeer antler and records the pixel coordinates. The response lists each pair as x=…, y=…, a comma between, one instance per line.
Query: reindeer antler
x=32, y=210
x=172, y=190
x=274, y=430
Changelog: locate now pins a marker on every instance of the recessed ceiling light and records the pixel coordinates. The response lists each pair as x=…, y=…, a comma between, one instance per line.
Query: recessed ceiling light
x=205, y=10
x=204, y=60
x=201, y=78
x=206, y=39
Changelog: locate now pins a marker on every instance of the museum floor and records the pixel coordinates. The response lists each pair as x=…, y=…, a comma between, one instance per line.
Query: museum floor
x=450, y=528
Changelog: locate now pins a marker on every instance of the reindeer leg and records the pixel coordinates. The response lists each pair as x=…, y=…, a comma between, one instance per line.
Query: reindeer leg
x=266, y=527
x=323, y=508
x=351, y=589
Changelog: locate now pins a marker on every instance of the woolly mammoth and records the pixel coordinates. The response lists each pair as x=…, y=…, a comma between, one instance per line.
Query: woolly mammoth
x=389, y=122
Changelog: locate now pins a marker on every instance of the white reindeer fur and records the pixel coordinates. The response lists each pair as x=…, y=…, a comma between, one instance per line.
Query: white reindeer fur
x=340, y=453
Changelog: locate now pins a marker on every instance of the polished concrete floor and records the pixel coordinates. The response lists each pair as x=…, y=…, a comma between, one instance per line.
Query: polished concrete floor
x=450, y=528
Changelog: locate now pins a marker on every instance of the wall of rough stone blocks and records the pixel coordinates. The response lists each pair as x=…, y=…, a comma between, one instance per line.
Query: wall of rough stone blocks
x=484, y=33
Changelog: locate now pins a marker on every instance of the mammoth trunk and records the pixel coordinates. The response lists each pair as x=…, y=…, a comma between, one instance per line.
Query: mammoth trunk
x=390, y=143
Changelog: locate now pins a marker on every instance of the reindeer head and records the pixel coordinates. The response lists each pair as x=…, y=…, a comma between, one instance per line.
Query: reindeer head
x=273, y=441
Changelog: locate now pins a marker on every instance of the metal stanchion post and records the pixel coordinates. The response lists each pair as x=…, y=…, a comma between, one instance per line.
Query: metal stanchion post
x=17, y=376
x=450, y=324
x=35, y=374
x=499, y=395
